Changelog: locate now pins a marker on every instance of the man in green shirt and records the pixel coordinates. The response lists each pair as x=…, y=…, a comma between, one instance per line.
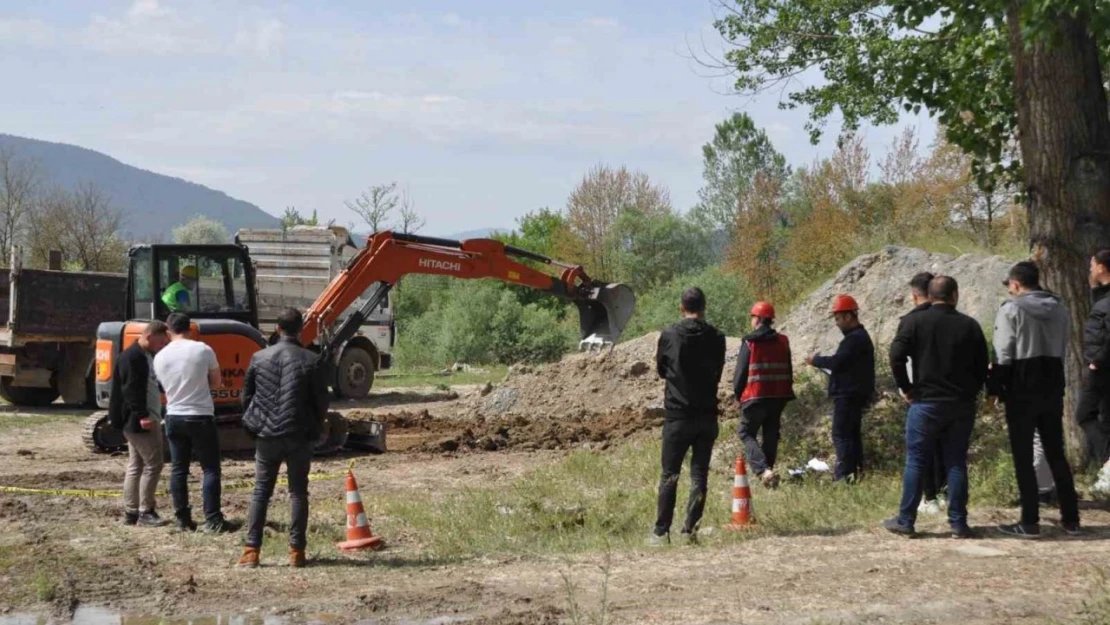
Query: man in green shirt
x=178, y=296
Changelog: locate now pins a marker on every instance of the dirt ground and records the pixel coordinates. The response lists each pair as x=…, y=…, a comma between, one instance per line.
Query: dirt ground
x=858, y=577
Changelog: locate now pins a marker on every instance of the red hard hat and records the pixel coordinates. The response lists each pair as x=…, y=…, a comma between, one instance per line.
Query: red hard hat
x=763, y=310
x=844, y=303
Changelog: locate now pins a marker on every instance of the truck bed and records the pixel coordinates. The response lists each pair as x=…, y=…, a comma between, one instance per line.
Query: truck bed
x=58, y=306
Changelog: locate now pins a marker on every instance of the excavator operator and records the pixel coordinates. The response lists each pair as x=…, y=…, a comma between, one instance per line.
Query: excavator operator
x=178, y=296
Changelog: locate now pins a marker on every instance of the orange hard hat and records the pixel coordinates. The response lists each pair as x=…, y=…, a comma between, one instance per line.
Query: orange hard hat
x=763, y=310
x=844, y=303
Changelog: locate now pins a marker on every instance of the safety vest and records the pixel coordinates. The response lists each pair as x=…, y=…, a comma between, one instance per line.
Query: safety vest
x=169, y=297
x=769, y=370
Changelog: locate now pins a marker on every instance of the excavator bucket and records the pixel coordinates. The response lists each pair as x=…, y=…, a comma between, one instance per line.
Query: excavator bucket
x=603, y=315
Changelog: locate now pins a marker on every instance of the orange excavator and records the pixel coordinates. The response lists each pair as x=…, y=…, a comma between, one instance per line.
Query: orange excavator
x=222, y=304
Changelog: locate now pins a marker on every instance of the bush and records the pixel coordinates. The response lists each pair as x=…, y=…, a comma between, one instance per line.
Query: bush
x=728, y=300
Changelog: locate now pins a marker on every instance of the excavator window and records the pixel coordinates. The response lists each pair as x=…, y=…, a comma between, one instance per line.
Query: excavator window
x=201, y=282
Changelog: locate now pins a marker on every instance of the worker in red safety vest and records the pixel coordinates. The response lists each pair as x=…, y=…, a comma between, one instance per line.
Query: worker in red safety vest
x=763, y=383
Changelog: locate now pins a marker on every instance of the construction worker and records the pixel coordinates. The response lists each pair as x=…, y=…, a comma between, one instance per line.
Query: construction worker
x=178, y=296
x=691, y=358
x=1092, y=411
x=135, y=409
x=1030, y=339
x=851, y=385
x=933, y=479
x=763, y=384
x=188, y=371
x=285, y=403
x=949, y=354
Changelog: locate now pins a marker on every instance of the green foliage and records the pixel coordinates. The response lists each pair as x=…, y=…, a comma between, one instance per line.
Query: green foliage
x=653, y=248
x=201, y=230
x=292, y=217
x=536, y=232
x=728, y=300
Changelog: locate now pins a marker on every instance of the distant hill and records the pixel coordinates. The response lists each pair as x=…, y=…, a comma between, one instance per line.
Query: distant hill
x=480, y=233
x=152, y=203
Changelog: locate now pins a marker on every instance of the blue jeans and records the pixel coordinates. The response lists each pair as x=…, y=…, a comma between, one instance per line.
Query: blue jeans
x=927, y=424
x=188, y=436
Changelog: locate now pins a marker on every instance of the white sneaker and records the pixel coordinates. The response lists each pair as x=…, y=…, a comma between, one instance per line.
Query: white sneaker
x=930, y=507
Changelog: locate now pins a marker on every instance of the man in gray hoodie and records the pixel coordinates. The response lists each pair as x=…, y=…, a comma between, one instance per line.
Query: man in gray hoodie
x=1030, y=338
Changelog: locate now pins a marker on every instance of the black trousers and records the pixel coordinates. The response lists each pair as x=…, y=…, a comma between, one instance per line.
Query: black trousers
x=680, y=436
x=1046, y=416
x=269, y=453
x=1092, y=414
x=765, y=415
x=847, y=435
x=935, y=478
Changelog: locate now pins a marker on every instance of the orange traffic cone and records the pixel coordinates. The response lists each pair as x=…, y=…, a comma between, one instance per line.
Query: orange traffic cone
x=743, y=513
x=359, y=535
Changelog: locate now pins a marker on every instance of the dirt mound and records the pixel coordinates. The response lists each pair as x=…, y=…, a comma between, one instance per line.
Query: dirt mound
x=879, y=283
x=421, y=432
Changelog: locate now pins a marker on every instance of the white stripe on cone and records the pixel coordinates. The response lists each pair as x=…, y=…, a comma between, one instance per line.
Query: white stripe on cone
x=353, y=497
x=362, y=521
x=740, y=481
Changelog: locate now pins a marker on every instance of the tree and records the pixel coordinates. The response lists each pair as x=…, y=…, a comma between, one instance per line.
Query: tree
x=292, y=217
x=83, y=224
x=653, y=248
x=375, y=204
x=201, y=230
x=597, y=202
x=730, y=163
x=990, y=71
x=19, y=184
x=411, y=222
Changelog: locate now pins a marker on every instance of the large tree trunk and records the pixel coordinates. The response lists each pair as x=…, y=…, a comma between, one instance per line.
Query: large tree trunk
x=1064, y=129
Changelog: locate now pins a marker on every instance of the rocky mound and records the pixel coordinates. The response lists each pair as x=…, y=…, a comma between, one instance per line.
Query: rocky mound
x=879, y=283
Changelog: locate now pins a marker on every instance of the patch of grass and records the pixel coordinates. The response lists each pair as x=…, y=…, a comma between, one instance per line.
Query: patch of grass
x=45, y=586
x=10, y=422
x=407, y=378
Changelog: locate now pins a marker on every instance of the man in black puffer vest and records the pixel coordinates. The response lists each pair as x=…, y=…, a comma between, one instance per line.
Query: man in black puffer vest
x=285, y=401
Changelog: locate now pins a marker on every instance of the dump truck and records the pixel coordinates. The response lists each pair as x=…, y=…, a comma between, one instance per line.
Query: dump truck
x=48, y=321
x=292, y=267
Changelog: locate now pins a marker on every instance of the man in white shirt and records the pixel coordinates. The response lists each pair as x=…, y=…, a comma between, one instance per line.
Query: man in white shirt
x=188, y=371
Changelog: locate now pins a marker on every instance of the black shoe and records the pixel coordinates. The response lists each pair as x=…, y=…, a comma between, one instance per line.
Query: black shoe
x=1048, y=499
x=1021, y=531
x=218, y=527
x=895, y=526
x=151, y=519
x=1071, y=529
x=963, y=532
x=130, y=518
x=689, y=538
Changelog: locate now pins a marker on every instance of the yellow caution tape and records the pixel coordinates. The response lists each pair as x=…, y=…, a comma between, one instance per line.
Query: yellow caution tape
x=237, y=485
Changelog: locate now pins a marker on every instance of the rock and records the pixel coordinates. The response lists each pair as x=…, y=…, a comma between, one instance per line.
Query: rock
x=638, y=368
x=487, y=444
x=486, y=389
x=448, y=444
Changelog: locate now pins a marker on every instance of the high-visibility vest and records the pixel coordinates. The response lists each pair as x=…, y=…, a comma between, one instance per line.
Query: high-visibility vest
x=769, y=373
x=169, y=297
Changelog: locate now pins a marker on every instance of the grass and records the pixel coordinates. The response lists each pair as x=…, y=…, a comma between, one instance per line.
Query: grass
x=427, y=376
x=10, y=422
x=46, y=588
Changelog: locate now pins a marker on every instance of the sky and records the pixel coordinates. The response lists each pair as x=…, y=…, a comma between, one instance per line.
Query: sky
x=482, y=110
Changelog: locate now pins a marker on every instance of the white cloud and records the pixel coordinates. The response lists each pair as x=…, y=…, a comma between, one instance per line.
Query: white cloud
x=145, y=9
x=26, y=32
x=601, y=22
x=263, y=39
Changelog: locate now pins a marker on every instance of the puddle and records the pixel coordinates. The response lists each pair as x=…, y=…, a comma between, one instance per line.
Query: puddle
x=86, y=615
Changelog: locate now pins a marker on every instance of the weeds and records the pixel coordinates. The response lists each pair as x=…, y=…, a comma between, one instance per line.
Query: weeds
x=46, y=588
x=603, y=614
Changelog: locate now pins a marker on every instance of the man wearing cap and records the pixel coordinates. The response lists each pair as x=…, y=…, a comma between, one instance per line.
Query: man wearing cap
x=178, y=296
x=763, y=383
x=1030, y=338
x=851, y=385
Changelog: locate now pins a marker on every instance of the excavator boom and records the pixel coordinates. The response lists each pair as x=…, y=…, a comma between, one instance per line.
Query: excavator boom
x=604, y=308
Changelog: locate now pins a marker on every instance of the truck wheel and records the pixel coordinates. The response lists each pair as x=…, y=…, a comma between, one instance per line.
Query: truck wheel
x=355, y=374
x=101, y=438
x=26, y=395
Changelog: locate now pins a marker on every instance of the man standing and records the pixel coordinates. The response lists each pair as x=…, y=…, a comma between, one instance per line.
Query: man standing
x=933, y=478
x=285, y=402
x=135, y=408
x=763, y=383
x=1092, y=411
x=1030, y=338
x=188, y=371
x=851, y=385
x=178, y=296
x=691, y=358
x=949, y=354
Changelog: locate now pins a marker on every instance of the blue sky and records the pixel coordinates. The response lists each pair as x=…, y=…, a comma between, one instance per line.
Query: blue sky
x=483, y=110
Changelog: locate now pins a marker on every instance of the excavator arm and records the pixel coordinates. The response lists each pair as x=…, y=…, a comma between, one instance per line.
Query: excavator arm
x=604, y=308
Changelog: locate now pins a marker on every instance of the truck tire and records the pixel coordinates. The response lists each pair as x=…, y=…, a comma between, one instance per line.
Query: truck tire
x=355, y=374
x=101, y=438
x=26, y=395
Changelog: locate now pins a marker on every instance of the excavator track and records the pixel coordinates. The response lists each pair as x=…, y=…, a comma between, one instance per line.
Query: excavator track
x=101, y=438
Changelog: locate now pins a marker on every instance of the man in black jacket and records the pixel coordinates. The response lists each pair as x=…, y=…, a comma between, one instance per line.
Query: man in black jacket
x=934, y=478
x=950, y=360
x=1092, y=411
x=135, y=407
x=285, y=402
x=1030, y=337
x=691, y=358
x=851, y=385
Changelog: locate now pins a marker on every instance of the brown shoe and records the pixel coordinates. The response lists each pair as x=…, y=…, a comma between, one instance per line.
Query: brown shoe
x=297, y=558
x=249, y=559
